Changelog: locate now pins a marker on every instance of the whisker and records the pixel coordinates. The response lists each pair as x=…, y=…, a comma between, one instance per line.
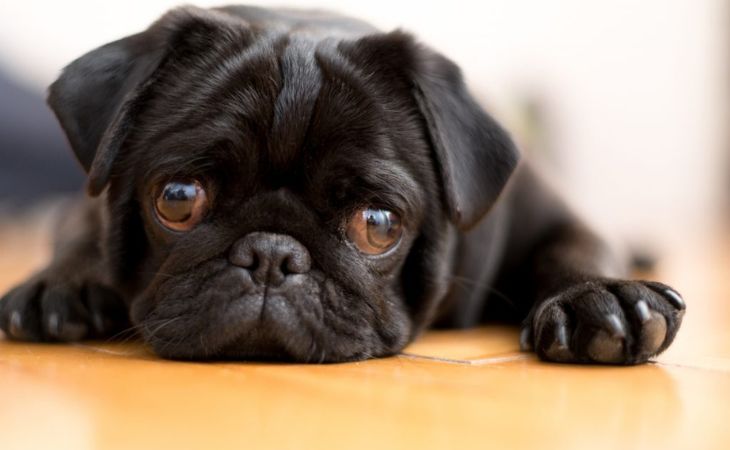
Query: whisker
x=491, y=289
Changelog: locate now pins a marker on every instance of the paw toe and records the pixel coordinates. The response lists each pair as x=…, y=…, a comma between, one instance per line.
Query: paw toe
x=553, y=334
x=64, y=315
x=15, y=327
x=558, y=349
x=652, y=335
x=606, y=347
x=643, y=314
x=674, y=298
x=19, y=313
x=64, y=329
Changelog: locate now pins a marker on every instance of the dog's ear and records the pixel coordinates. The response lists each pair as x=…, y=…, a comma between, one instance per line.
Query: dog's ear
x=474, y=155
x=97, y=97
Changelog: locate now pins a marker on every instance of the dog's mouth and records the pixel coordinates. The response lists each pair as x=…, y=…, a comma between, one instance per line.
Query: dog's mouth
x=307, y=319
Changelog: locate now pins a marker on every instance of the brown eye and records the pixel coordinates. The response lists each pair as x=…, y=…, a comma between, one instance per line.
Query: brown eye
x=374, y=231
x=180, y=205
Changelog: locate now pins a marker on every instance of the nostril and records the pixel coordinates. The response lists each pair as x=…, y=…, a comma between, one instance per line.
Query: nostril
x=296, y=262
x=270, y=257
x=285, y=267
x=254, y=264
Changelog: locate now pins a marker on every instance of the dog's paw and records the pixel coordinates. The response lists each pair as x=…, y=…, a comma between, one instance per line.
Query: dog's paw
x=45, y=308
x=605, y=321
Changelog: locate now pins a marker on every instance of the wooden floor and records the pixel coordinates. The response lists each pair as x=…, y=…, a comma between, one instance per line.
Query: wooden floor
x=470, y=389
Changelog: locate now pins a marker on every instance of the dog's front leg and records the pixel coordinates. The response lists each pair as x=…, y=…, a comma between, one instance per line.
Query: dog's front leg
x=70, y=299
x=577, y=302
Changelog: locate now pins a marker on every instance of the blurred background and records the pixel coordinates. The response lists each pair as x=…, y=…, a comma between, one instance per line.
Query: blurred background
x=623, y=104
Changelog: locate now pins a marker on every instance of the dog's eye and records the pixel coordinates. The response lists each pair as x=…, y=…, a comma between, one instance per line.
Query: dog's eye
x=180, y=205
x=374, y=231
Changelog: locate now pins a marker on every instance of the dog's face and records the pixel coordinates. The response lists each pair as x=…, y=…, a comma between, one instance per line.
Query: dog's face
x=272, y=196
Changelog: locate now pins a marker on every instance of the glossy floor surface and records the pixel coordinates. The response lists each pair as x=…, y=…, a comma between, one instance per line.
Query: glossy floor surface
x=461, y=389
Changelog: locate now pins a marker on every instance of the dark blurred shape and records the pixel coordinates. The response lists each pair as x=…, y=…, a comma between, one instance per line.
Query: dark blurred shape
x=35, y=159
x=643, y=260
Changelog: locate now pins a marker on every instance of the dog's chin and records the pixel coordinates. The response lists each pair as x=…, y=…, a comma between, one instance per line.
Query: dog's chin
x=230, y=317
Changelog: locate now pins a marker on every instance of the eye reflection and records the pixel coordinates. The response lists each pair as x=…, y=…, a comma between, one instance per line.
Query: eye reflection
x=180, y=205
x=374, y=231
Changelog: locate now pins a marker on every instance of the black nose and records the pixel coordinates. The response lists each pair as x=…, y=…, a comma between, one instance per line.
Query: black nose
x=270, y=257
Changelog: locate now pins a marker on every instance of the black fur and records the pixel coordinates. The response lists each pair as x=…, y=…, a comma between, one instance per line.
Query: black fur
x=295, y=120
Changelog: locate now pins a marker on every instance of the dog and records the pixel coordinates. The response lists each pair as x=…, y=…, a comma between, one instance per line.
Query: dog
x=300, y=186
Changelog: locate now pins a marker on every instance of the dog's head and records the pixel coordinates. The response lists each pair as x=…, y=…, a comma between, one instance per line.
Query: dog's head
x=276, y=195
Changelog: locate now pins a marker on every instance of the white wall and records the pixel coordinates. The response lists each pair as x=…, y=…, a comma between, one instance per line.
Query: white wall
x=636, y=90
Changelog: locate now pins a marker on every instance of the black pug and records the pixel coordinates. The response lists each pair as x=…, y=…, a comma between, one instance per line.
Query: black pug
x=278, y=184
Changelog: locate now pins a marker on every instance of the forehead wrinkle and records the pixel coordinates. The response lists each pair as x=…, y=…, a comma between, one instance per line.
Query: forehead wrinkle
x=347, y=111
x=387, y=176
x=189, y=81
x=244, y=83
x=301, y=82
x=187, y=63
x=232, y=116
x=338, y=67
x=254, y=66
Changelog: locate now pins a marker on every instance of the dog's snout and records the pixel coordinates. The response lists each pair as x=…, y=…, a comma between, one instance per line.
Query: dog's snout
x=270, y=257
